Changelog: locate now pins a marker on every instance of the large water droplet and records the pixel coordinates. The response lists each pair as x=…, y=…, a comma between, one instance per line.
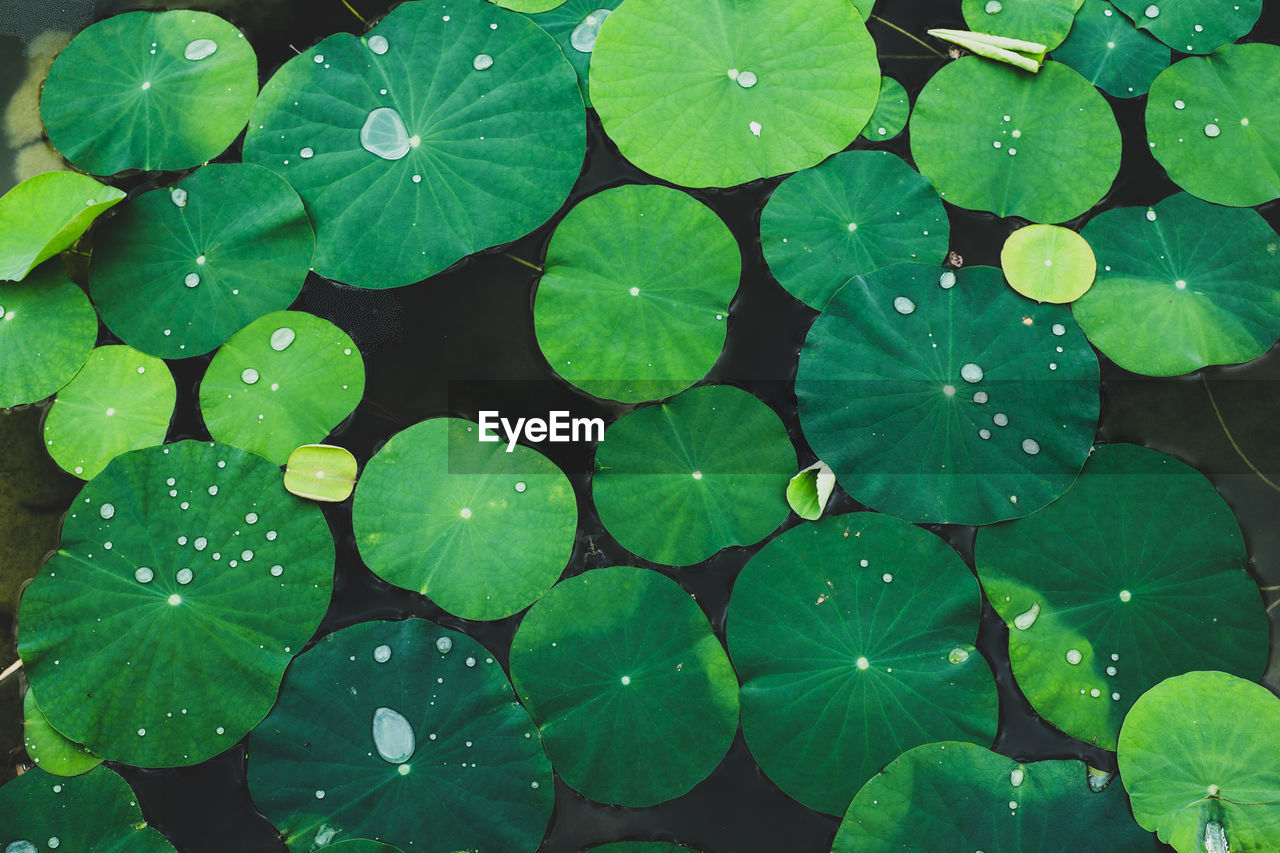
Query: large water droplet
x=192, y=280
x=1152, y=11
x=903, y=305
x=1211, y=130
x=144, y=575
x=382, y=653
x=384, y=134
x=1059, y=329
x=1016, y=777
x=184, y=576
x=21, y=847
x=393, y=736
x=747, y=79
x=947, y=280
x=971, y=373
x=1074, y=657
x=107, y=511
x=443, y=645
x=583, y=37
x=1215, y=838
x=482, y=62
x=200, y=49
x=1025, y=620
x=1000, y=419
x=993, y=7
x=378, y=44
x=249, y=376
x=957, y=655
x=281, y=338
x=1030, y=446
x=178, y=196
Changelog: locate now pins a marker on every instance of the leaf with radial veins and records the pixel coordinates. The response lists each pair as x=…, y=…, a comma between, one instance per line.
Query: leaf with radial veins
x=150, y=90
x=1181, y=285
x=854, y=640
x=1044, y=146
x=47, y=330
x=958, y=796
x=448, y=128
x=481, y=531
x=121, y=400
x=1137, y=573
x=406, y=732
x=718, y=93
x=1110, y=52
x=845, y=217
x=45, y=214
x=677, y=481
x=178, y=271
x=187, y=558
x=892, y=110
x=1194, y=26
x=96, y=811
x=1214, y=124
x=659, y=269
x=1041, y=21
x=1048, y=263
x=946, y=397
x=284, y=380
x=635, y=697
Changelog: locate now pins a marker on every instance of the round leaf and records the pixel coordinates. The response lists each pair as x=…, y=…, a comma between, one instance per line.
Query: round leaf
x=285, y=379
x=1193, y=26
x=1048, y=263
x=150, y=90
x=44, y=215
x=47, y=747
x=1197, y=755
x=121, y=400
x=430, y=138
x=660, y=269
x=177, y=272
x=1181, y=285
x=177, y=560
x=947, y=397
x=992, y=137
x=677, y=481
x=96, y=811
x=854, y=625
x=1214, y=124
x=634, y=694
x=1110, y=52
x=721, y=93
x=855, y=213
x=483, y=532
x=575, y=25
x=321, y=472
x=405, y=732
x=1041, y=21
x=47, y=330
x=1134, y=575
x=890, y=116
x=958, y=796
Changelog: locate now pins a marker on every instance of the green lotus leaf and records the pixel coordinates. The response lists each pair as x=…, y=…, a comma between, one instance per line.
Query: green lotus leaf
x=1048, y=263
x=890, y=116
x=855, y=213
x=446, y=129
x=480, y=527
x=178, y=271
x=1041, y=21
x=1197, y=756
x=47, y=330
x=946, y=397
x=1181, y=285
x=321, y=472
x=47, y=746
x=1110, y=52
x=809, y=491
x=635, y=696
x=150, y=90
x=1193, y=26
x=1137, y=573
x=186, y=580
x=121, y=400
x=958, y=796
x=285, y=379
x=97, y=811
x=661, y=268
x=575, y=25
x=44, y=215
x=1214, y=124
x=406, y=732
x=722, y=92
x=991, y=137
x=677, y=481
x=854, y=625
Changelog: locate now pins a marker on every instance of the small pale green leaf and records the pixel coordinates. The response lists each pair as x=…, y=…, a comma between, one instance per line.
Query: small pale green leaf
x=808, y=491
x=1043, y=21
x=47, y=330
x=96, y=811
x=1048, y=263
x=892, y=109
x=634, y=694
x=51, y=751
x=45, y=214
x=321, y=472
x=1198, y=758
x=121, y=400
x=1110, y=52
x=1194, y=26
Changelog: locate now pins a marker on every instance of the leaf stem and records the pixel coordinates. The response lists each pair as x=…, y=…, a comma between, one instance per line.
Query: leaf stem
x=891, y=25
x=522, y=261
x=1254, y=468
x=10, y=670
x=354, y=12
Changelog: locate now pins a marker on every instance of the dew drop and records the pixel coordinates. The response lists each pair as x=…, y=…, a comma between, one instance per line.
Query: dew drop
x=984, y=434
x=747, y=79
x=1125, y=595
x=583, y=38
x=947, y=280
x=1000, y=419
x=903, y=305
x=482, y=62
x=384, y=134
x=1026, y=619
x=143, y=575
x=319, y=795
x=200, y=49
x=281, y=338
x=382, y=653
x=178, y=196
x=1152, y=11
x=249, y=376
x=1016, y=777
x=520, y=487
x=192, y=280
x=957, y=655
x=107, y=511
x=470, y=662
x=971, y=373
x=755, y=127
x=184, y=576
x=887, y=577
x=1030, y=446
x=1111, y=670
x=980, y=397
x=1059, y=329
x=277, y=571
x=443, y=645
x=201, y=543
x=1179, y=104
x=1074, y=657
x=392, y=736
x=1211, y=130
x=378, y=44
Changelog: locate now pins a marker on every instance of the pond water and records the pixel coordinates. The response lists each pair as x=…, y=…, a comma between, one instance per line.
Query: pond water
x=463, y=341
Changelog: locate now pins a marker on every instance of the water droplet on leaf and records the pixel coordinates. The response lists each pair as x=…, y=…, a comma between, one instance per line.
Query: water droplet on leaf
x=392, y=736
x=200, y=49
x=583, y=38
x=384, y=134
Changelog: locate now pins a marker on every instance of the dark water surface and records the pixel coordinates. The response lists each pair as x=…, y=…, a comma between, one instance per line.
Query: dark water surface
x=464, y=340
